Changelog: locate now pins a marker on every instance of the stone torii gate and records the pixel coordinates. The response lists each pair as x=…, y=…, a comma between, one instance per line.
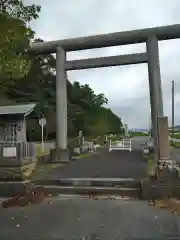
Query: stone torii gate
x=150, y=36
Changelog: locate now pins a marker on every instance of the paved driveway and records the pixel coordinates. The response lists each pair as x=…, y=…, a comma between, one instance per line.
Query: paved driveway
x=75, y=218
x=104, y=164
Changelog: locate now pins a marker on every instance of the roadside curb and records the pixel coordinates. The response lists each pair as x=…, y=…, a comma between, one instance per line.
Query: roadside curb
x=16, y=188
x=120, y=187
x=110, y=186
x=151, y=190
x=143, y=190
x=90, y=182
x=84, y=156
x=76, y=190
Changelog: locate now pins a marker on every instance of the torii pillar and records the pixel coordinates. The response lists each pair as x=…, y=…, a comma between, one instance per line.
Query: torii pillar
x=61, y=153
x=159, y=122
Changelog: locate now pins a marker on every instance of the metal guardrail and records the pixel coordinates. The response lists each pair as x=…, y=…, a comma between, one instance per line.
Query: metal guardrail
x=124, y=144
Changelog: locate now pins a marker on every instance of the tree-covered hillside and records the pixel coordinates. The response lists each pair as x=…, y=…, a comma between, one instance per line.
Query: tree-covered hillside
x=30, y=78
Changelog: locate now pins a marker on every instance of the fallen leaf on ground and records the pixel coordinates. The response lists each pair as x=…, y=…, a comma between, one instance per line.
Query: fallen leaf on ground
x=34, y=197
x=161, y=204
x=170, y=204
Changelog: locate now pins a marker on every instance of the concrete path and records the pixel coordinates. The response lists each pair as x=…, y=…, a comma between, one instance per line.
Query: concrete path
x=75, y=218
x=104, y=164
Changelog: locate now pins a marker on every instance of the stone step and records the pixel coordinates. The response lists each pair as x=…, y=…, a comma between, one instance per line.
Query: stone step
x=15, y=188
x=91, y=182
x=91, y=191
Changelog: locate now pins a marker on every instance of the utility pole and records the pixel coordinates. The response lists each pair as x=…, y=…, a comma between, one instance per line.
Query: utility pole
x=172, y=128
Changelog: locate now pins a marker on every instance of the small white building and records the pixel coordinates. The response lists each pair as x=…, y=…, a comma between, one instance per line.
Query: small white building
x=13, y=122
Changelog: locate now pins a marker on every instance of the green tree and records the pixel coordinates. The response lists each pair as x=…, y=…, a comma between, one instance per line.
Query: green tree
x=36, y=77
x=15, y=36
x=85, y=108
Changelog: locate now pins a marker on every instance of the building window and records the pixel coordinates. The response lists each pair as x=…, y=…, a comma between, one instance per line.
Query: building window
x=10, y=134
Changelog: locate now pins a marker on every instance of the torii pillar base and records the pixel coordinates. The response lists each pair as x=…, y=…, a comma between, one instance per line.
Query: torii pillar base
x=60, y=156
x=165, y=161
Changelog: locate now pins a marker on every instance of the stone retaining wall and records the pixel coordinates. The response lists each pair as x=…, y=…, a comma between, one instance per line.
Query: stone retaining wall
x=16, y=170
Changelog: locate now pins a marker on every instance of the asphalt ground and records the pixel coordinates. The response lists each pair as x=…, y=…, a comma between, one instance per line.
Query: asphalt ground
x=103, y=164
x=75, y=218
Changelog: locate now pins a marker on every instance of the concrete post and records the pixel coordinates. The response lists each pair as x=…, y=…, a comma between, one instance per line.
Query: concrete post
x=155, y=87
x=164, y=138
x=165, y=162
x=61, y=107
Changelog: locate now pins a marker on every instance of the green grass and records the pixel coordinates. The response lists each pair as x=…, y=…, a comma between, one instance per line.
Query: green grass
x=175, y=144
x=40, y=152
x=176, y=135
x=137, y=134
x=72, y=142
x=85, y=155
x=43, y=171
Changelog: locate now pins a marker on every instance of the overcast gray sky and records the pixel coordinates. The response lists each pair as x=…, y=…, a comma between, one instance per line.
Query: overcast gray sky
x=126, y=87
